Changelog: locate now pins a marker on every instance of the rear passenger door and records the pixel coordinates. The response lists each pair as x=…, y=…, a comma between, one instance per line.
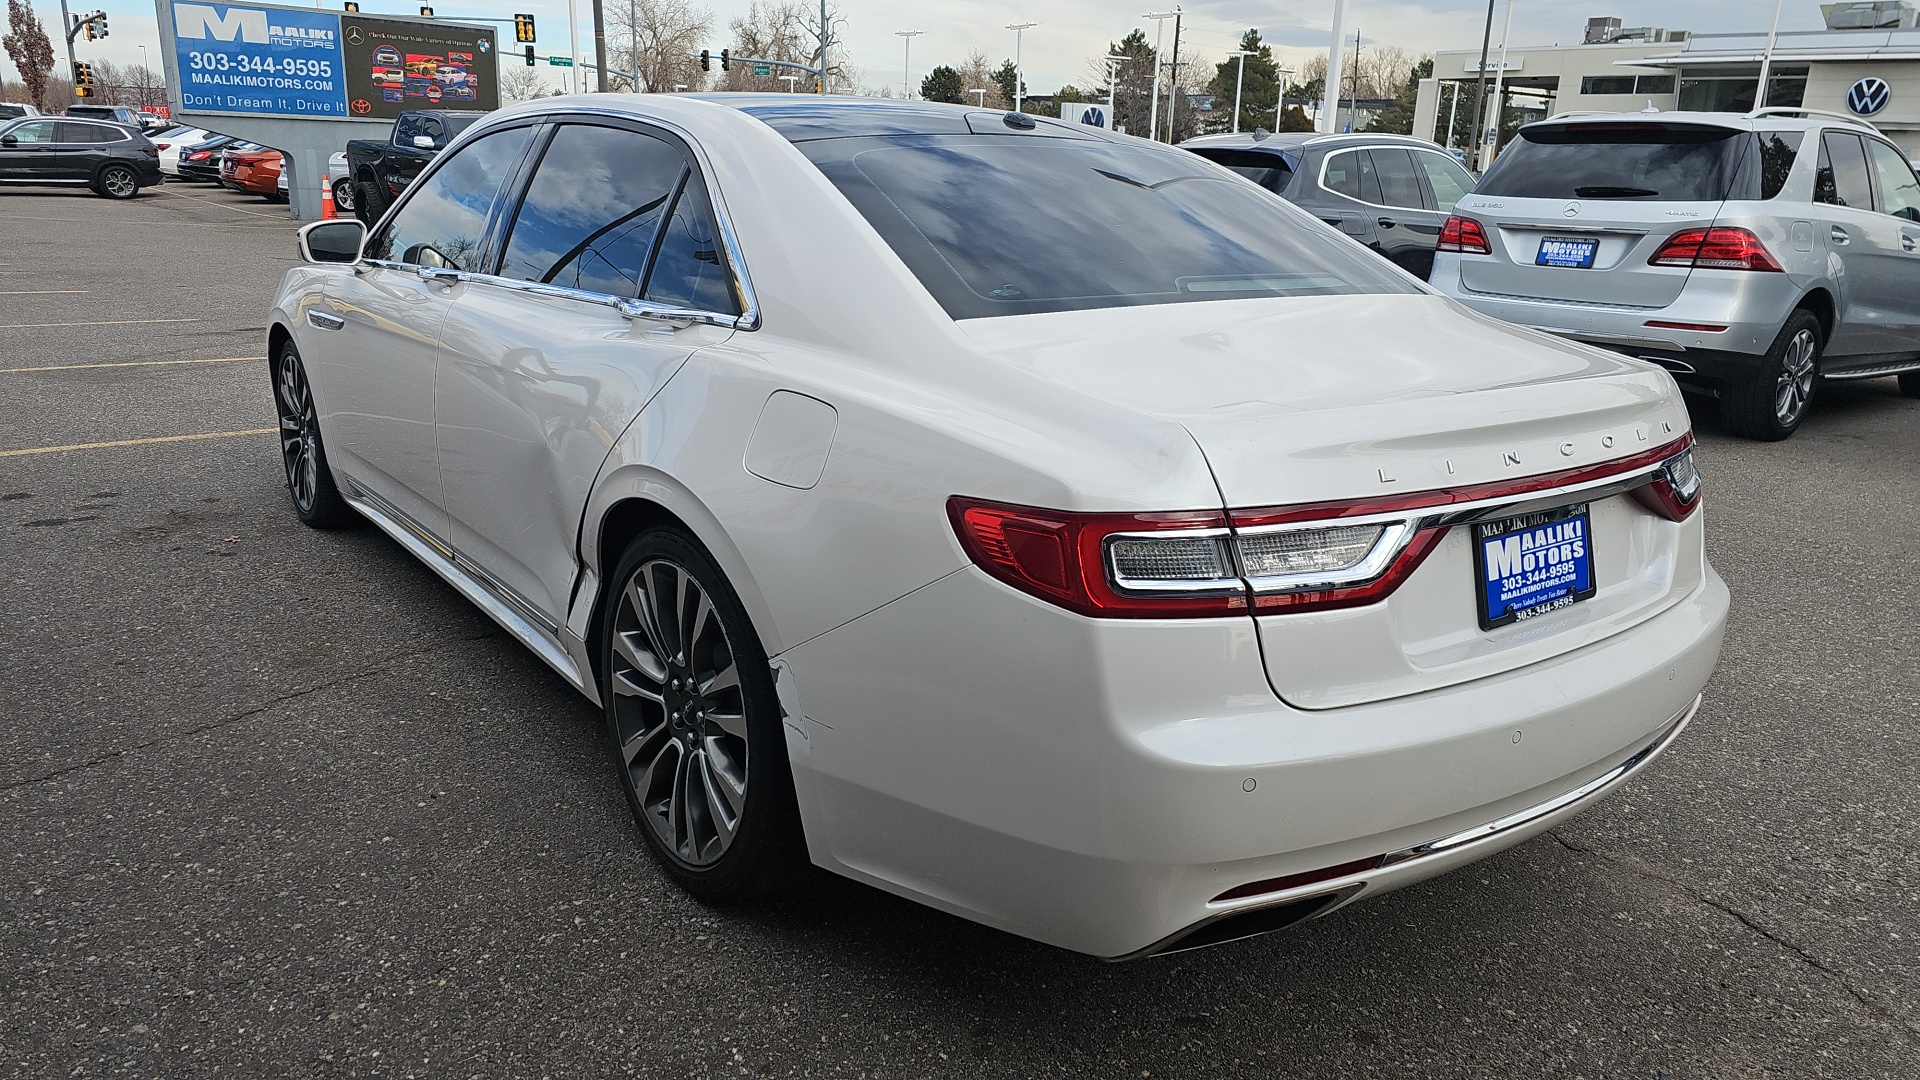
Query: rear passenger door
x=1408, y=225
x=1877, y=282
x=1896, y=194
x=85, y=147
x=540, y=371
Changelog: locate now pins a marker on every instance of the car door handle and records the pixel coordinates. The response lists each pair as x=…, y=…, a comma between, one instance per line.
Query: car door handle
x=1906, y=242
x=1840, y=235
x=1387, y=223
x=437, y=273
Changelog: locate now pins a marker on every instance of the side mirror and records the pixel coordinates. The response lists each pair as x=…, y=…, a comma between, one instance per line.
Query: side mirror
x=423, y=142
x=9, y=140
x=332, y=241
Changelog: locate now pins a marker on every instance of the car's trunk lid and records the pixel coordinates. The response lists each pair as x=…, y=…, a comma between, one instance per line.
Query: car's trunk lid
x=1332, y=399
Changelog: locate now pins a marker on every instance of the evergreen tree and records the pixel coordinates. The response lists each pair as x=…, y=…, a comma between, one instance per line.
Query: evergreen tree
x=1259, y=93
x=943, y=84
x=1397, y=119
x=1006, y=78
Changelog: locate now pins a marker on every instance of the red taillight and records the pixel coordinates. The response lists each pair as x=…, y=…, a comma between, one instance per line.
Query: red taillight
x=1675, y=493
x=1465, y=235
x=199, y=155
x=1063, y=558
x=1719, y=248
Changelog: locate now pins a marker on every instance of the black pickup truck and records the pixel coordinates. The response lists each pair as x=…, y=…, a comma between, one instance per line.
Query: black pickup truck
x=381, y=170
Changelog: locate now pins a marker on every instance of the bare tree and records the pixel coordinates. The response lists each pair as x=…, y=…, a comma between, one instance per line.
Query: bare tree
x=518, y=82
x=670, y=34
x=27, y=46
x=775, y=30
x=978, y=74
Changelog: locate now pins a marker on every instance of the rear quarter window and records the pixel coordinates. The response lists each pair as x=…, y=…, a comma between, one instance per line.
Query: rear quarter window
x=1270, y=171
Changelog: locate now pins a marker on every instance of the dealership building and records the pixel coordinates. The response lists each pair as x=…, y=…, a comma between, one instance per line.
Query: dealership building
x=1866, y=63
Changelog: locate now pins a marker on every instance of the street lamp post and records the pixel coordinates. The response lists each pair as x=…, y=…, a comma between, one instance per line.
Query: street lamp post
x=1239, y=81
x=1019, y=81
x=982, y=99
x=906, y=62
x=1159, y=37
x=1499, y=90
x=1766, y=61
x=1280, y=99
x=791, y=79
x=1113, y=82
x=1330, y=95
x=143, y=76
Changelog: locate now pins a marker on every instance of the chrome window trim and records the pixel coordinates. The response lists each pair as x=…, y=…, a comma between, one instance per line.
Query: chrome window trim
x=1328, y=160
x=749, y=317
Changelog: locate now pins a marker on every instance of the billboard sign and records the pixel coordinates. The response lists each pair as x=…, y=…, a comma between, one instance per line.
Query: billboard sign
x=262, y=60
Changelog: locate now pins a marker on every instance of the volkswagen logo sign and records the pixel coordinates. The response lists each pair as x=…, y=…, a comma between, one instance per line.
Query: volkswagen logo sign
x=1869, y=96
x=1094, y=116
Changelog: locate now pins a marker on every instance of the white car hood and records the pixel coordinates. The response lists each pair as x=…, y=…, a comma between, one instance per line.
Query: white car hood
x=1320, y=398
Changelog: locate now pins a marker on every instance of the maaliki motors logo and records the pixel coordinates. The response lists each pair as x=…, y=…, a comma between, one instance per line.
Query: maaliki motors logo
x=208, y=22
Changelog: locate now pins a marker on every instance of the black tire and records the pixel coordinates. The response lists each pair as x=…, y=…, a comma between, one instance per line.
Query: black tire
x=116, y=182
x=316, y=501
x=1910, y=384
x=676, y=719
x=1769, y=404
x=368, y=202
x=343, y=195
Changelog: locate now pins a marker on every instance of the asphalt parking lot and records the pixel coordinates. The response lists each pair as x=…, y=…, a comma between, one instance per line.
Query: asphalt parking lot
x=279, y=802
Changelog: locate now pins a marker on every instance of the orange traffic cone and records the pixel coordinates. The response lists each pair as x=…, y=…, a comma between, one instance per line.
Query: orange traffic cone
x=327, y=212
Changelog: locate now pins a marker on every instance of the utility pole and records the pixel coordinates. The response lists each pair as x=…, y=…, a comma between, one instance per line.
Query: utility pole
x=1159, y=36
x=633, y=40
x=906, y=62
x=826, y=35
x=1019, y=80
x=1239, y=81
x=1330, y=93
x=575, y=76
x=67, y=27
x=1480, y=92
x=1173, y=75
x=1353, y=111
x=600, y=42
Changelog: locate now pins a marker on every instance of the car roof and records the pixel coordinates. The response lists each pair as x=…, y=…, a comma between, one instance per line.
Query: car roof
x=804, y=117
x=1781, y=120
x=1293, y=142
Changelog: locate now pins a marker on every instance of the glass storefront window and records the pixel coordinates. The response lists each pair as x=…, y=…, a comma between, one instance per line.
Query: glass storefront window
x=1732, y=89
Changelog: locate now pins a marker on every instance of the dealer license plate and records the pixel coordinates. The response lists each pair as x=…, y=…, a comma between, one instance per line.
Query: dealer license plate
x=1530, y=565
x=1571, y=253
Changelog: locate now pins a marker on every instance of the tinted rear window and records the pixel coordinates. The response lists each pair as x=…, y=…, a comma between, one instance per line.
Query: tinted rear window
x=1270, y=171
x=1653, y=162
x=1010, y=225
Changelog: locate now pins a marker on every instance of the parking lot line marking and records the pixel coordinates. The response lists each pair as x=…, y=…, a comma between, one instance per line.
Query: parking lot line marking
x=210, y=202
x=44, y=292
x=109, y=322
x=136, y=442
x=135, y=363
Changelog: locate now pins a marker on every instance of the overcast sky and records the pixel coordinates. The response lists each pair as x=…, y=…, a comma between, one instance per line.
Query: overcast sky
x=1071, y=31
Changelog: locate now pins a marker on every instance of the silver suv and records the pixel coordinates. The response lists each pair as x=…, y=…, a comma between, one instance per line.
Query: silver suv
x=1752, y=256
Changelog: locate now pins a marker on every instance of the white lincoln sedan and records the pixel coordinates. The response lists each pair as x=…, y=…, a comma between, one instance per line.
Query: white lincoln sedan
x=1048, y=526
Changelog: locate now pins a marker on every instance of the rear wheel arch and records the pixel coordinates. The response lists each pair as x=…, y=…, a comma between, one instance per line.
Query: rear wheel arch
x=1820, y=303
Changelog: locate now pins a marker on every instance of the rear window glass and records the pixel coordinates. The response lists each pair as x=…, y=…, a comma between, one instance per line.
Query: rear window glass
x=1008, y=225
x=1654, y=162
x=1270, y=171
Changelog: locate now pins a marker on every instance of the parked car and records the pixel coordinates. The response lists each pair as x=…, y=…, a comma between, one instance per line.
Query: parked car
x=1390, y=192
x=201, y=161
x=256, y=170
x=382, y=168
x=1753, y=256
x=10, y=110
x=118, y=114
x=1237, y=577
x=340, y=178
x=171, y=143
x=112, y=160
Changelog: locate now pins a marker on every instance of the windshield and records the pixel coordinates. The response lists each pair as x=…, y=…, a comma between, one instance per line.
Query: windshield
x=1627, y=160
x=1011, y=225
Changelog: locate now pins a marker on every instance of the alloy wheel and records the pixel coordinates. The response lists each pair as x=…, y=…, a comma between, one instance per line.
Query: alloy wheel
x=679, y=713
x=299, y=430
x=1794, y=387
x=118, y=183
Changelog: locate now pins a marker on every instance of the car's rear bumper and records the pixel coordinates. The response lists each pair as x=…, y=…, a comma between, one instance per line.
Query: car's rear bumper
x=1102, y=784
x=1751, y=307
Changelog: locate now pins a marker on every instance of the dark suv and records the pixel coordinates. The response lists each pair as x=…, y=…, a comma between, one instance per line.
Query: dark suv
x=1390, y=192
x=112, y=160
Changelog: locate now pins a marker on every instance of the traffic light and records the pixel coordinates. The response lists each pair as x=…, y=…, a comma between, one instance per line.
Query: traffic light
x=101, y=21
x=705, y=60
x=523, y=28
x=88, y=27
x=529, y=56
x=723, y=59
x=82, y=73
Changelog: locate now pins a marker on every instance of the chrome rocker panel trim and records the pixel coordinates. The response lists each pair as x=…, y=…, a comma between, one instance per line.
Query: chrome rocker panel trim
x=1342, y=891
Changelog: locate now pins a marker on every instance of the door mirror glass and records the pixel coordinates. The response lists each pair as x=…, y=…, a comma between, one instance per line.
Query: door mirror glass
x=332, y=241
x=423, y=142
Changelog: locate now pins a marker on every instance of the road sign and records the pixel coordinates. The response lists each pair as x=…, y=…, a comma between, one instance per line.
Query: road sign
x=265, y=60
x=560, y=61
x=761, y=71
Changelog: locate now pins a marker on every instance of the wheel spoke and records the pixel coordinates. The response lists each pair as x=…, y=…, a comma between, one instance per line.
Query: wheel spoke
x=722, y=681
x=640, y=597
x=632, y=647
x=722, y=802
